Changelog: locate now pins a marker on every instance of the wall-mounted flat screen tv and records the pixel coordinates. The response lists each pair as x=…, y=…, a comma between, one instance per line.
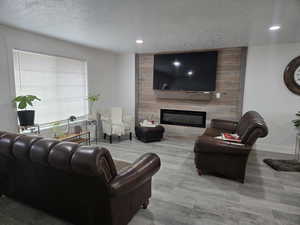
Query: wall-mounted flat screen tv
x=194, y=71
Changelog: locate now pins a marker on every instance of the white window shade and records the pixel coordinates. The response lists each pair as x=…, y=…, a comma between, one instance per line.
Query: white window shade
x=60, y=82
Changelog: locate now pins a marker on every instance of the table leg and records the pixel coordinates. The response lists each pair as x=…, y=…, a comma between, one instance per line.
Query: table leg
x=96, y=133
x=297, y=148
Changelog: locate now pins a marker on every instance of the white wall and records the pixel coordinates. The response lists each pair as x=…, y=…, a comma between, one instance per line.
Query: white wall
x=124, y=83
x=266, y=93
x=101, y=67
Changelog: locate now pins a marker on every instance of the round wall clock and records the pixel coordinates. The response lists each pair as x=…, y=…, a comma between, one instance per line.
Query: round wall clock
x=292, y=76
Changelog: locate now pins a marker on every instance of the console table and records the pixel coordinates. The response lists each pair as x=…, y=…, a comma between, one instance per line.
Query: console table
x=79, y=138
x=34, y=129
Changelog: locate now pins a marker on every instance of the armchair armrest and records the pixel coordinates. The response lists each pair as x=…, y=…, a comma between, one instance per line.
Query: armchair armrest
x=211, y=144
x=224, y=125
x=137, y=174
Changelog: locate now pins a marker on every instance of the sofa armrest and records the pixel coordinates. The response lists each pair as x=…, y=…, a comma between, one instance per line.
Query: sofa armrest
x=211, y=144
x=224, y=125
x=137, y=174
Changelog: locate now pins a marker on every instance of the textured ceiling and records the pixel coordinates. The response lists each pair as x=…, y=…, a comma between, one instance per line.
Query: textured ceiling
x=165, y=25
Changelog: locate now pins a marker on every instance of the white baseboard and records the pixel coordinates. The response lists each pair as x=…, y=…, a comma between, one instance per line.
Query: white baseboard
x=274, y=148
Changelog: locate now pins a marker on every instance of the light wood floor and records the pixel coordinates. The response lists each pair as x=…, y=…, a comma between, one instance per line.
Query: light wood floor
x=181, y=197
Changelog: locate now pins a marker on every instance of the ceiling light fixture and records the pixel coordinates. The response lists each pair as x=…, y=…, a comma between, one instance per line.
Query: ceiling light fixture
x=176, y=63
x=274, y=27
x=190, y=73
x=139, y=41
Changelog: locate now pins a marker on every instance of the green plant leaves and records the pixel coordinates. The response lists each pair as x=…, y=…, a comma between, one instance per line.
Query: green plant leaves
x=94, y=98
x=31, y=98
x=23, y=101
x=22, y=104
x=18, y=99
x=297, y=121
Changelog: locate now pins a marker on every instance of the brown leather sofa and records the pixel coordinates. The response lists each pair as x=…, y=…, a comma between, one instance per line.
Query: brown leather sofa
x=227, y=159
x=79, y=184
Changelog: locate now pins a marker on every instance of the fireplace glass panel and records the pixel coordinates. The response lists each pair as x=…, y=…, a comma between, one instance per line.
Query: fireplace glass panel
x=183, y=118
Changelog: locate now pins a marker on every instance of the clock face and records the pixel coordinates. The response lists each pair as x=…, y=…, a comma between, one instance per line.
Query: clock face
x=297, y=76
x=292, y=76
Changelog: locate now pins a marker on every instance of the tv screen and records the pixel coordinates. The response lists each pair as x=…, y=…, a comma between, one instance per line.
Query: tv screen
x=194, y=71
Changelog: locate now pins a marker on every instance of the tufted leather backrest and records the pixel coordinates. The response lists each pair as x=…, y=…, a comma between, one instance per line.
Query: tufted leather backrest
x=39, y=151
x=6, y=143
x=250, y=127
x=64, y=156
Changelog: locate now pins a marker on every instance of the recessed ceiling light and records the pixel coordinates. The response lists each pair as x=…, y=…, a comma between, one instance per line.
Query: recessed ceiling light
x=139, y=41
x=275, y=27
x=176, y=63
x=190, y=73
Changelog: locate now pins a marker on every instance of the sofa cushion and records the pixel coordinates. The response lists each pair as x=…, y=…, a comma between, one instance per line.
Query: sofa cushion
x=121, y=165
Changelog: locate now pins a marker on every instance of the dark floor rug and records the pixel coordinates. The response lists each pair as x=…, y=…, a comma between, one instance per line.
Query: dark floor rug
x=283, y=165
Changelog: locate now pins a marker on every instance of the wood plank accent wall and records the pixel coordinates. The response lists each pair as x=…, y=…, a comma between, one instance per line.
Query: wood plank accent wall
x=229, y=84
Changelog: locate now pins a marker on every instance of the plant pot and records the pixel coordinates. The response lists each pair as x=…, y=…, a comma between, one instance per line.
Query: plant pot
x=26, y=117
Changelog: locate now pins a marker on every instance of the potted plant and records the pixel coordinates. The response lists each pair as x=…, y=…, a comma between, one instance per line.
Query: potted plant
x=26, y=117
x=297, y=121
x=92, y=99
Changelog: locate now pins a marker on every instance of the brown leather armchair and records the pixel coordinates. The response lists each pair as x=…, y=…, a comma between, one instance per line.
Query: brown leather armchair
x=79, y=184
x=224, y=158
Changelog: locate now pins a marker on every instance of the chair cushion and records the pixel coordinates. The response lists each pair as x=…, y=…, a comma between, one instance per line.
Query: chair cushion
x=121, y=165
x=212, y=132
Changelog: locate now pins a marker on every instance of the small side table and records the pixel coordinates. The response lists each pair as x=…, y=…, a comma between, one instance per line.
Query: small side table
x=297, y=147
x=79, y=138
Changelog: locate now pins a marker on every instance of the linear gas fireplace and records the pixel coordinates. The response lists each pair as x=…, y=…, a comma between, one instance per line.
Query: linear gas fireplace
x=183, y=118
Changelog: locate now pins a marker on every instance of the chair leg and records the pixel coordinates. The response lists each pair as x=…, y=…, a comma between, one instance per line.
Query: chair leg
x=104, y=136
x=145, y=205
x=130, y=136
x=110, y=139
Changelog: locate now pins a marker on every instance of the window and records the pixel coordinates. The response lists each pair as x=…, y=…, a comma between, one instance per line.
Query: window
x=60, y=82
